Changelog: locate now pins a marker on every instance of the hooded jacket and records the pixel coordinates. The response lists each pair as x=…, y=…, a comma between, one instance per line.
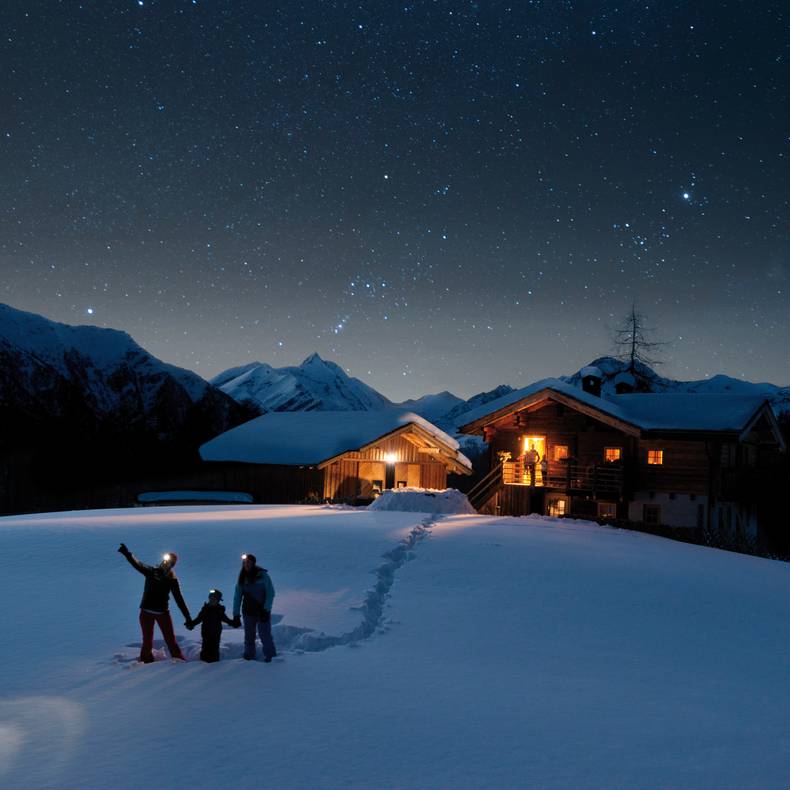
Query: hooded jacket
x=210, y=619
x=158, y=586
x=256, y=594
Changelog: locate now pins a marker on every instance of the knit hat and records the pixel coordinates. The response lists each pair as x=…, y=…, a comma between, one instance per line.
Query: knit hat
x=215, y=594
x=250, y=557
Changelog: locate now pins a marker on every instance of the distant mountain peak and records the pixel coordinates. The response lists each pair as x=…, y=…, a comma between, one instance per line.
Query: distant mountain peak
x=315, y=384
x=51, y=370
x=314, y=359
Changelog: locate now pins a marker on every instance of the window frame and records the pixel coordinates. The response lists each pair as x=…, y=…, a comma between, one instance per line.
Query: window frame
x=655, y=453
x=618, y=450
x=654, y=508
x=557, y=447
x=612, y=505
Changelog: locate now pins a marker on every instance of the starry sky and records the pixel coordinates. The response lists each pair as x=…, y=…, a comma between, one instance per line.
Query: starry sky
x=435, y=194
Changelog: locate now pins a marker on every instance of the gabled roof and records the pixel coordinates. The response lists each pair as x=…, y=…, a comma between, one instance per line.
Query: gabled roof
x=641, y=412
x=312, y=438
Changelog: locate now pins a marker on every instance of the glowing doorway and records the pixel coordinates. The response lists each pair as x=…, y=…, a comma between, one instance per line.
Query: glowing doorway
x=537, y=443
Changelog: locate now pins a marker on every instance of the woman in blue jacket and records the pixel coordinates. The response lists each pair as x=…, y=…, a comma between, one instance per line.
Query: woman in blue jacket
x=253, y=598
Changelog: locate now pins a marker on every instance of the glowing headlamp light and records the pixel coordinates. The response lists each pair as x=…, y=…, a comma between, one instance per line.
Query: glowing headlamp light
x=244, y=556
x=167, y=557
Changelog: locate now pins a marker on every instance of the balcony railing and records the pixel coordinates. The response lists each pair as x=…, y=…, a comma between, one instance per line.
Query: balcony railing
x=568, y=475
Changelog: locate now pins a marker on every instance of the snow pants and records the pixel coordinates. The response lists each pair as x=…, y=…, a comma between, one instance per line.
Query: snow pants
x=209, y=650
x=165, y=623
x=264, y=629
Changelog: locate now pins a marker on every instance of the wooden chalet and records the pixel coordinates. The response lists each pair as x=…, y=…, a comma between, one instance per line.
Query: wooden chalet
x=672, y=459
x=285, y=457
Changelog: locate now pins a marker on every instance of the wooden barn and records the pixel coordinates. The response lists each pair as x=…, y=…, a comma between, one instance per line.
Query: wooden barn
x=668, y=459
x=286, y=457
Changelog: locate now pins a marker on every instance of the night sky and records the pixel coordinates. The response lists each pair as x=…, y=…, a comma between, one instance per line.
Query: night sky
x=432, y=194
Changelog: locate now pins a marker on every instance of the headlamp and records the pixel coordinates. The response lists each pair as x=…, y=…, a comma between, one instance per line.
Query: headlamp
x=167, y=557
x=244, y=556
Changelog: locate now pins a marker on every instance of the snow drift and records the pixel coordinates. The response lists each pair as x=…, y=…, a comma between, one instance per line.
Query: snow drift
x=423, y=500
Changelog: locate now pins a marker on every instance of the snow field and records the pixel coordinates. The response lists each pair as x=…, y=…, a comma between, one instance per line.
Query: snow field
x=508, y=653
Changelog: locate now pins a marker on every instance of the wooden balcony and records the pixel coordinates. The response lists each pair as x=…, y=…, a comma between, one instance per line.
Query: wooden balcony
x=603, y=479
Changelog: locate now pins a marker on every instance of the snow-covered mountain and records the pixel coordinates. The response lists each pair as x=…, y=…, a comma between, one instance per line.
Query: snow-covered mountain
x=647, y=380
x=94, y=377
x=454, y=417
x=433, y=407
x=316, y=384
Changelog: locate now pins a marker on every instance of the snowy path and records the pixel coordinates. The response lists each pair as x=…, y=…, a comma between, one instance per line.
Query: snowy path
x=519, y=653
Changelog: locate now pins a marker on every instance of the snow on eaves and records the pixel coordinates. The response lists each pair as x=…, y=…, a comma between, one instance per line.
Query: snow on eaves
x=308, y=438
x=687, y=411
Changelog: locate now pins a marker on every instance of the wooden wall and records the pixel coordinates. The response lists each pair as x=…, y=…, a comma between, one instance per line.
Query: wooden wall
x=687, y=467
x=690, y=465
x=585, y=437
x=352, y=476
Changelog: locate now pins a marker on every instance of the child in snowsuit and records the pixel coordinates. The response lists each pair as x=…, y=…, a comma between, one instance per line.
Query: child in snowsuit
x=210, y=619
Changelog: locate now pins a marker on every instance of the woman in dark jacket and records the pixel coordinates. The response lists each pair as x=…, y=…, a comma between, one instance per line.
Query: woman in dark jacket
x=253, y=598
x=160, y=581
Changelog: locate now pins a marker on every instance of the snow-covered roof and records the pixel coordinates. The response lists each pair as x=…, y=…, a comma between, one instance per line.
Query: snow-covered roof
x=624, y=377
x=686, y=411
x=311, y=437
x=591, y=370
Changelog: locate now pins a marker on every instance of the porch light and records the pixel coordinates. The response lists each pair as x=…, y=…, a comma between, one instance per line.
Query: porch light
x=390, y=458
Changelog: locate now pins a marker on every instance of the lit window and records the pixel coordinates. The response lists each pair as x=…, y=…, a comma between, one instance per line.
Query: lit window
x=558, y=507
x=655, y=457
x=612, y=454
x=560, y=452
x=607, y=511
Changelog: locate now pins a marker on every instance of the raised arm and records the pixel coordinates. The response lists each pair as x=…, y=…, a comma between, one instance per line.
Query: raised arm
x=146, y=570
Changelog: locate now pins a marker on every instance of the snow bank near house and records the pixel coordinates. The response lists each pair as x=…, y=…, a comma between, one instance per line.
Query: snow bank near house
x=423, y=500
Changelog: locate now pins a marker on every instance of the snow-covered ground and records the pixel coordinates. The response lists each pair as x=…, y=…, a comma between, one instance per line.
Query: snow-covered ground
x=509, y=653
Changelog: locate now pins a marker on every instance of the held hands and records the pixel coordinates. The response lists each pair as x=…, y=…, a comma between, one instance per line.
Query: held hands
x=237, y=622
x=189, y=624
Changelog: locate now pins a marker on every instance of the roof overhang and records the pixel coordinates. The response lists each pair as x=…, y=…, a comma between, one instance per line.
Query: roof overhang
x=540, y=398
x=423, y=440
x=767, y=411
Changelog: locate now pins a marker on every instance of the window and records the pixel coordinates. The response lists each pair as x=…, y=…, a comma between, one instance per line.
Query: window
x=560, y=452
x=378, y=485
x=400, y=484
x=655, y=457
x=612, y=454
x=651, y=515
x=729, y=455
x=607, y=511
x=557, y=506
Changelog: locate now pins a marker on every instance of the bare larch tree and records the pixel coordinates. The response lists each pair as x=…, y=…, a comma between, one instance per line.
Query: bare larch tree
x=633, y=342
